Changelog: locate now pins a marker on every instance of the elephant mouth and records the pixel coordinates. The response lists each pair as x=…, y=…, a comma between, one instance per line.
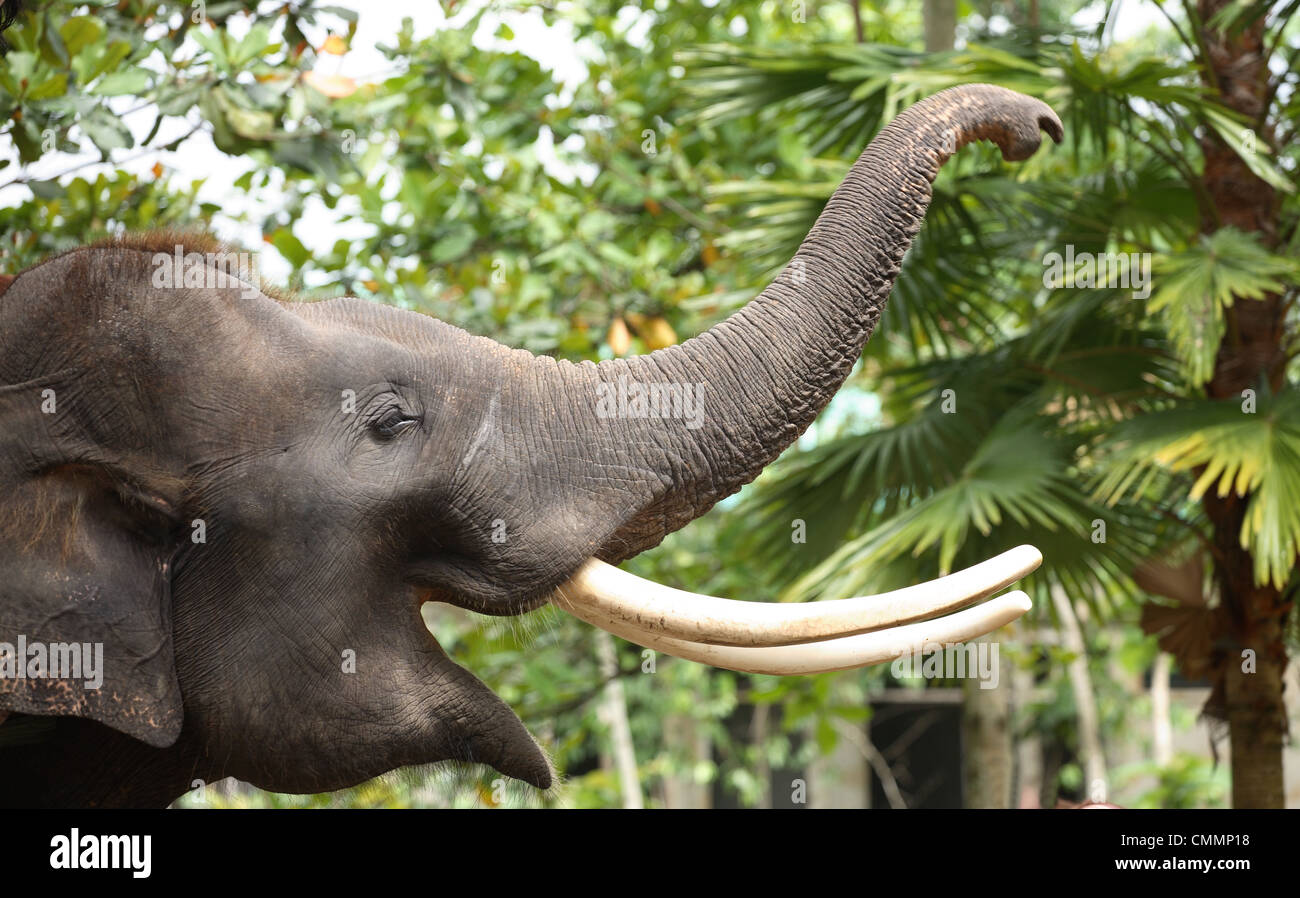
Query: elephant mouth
x=467, y=583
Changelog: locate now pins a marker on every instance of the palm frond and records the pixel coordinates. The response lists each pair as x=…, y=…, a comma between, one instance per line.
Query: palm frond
x=1228, y=448
x=1018, y=487
x=1198, y=283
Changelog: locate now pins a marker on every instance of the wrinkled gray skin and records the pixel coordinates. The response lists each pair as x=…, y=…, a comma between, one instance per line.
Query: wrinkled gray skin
x=325, y=531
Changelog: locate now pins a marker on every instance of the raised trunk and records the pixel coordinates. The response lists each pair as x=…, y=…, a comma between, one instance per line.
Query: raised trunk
x=606, y=460
x=765, y=373
x=1252, y=354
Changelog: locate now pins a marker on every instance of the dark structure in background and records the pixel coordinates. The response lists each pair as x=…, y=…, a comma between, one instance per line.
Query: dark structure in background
x=922, y=742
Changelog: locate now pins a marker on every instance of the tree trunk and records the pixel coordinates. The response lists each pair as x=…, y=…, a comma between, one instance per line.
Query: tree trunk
x=614, y=712
x=1028, y=780
x=1090, y=747
x=1252, y=354
x=1162, y=731
x=1256, y=729
x=986, y=743
x=940, y=21
x=758, y=734
x=683, y=736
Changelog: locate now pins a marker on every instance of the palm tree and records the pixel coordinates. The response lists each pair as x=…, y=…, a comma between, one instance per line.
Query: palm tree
x=1127, y=425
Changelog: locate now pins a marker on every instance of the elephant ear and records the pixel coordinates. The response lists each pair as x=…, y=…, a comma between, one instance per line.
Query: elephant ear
x=86, y=546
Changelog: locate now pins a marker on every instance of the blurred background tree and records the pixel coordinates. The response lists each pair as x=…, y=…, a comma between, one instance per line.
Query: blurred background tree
x=1144, y=442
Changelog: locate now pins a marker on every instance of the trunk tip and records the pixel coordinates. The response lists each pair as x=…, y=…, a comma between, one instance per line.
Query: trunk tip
x=1012, y=120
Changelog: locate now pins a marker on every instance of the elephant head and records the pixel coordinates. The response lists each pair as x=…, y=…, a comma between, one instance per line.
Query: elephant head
x=243, y=502
x=9, y=10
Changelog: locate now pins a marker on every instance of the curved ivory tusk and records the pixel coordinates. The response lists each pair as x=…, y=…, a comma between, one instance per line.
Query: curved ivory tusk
x=622, y=598
x=832, y=654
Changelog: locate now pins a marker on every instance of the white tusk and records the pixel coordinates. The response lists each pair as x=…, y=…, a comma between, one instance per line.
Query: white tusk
x=605, y=592
x=832, y=654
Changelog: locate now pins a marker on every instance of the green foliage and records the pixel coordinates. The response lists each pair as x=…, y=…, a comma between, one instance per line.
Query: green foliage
x=1254, y=454
x=1205, y=278
x=1096, y=389
x=1188, y=782
x=58, y=217
x=1126, y=184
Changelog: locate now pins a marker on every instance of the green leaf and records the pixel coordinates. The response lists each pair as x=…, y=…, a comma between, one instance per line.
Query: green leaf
x=342, y=12
x=80, y=32
x=252, y=46
x=243, y=119
x=290, y=247
x=132, y=82
x=56, y=86
x=1197, y=284
x=46, y=190
x=99, y=59
x=1231, y=450
x=213, y=40
x=1244, y=142
x=106, y=131
x=177, y=99
x=453, y=245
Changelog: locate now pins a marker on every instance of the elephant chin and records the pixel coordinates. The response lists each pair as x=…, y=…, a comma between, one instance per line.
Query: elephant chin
x=471, y=723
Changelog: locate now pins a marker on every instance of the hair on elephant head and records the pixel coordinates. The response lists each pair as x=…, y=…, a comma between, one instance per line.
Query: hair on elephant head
x=211, y=500
x=9, y=10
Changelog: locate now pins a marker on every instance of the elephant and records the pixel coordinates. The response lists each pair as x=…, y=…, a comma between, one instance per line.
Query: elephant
x=219, y=495
x=9, y=10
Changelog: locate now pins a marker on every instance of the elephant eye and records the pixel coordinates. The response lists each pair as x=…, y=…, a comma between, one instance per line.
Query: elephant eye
x=391, y=423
